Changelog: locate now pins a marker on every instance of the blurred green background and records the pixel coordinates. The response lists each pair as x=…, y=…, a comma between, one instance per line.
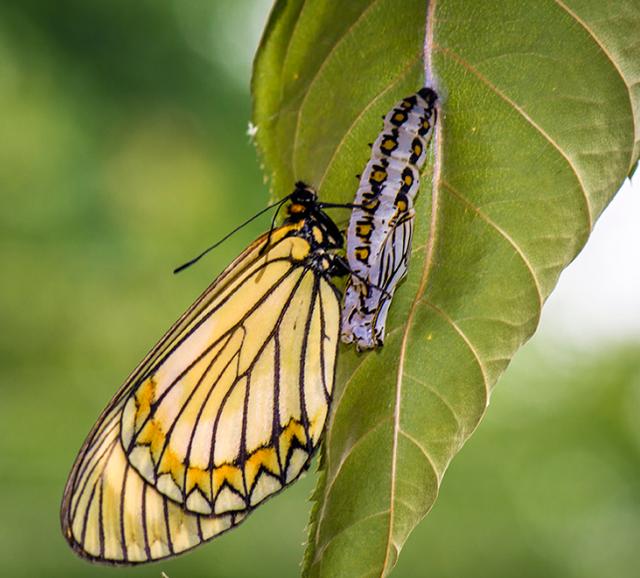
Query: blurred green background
x=123, y=152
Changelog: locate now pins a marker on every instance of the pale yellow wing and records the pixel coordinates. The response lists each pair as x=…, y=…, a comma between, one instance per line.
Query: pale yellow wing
x=110, y=514
x=225, y=411
x=235, y=408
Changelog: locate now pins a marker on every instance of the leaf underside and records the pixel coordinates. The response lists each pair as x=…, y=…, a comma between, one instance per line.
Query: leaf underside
x=540, y=104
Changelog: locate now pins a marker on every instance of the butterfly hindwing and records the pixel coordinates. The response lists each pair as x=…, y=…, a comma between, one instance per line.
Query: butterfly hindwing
x=111, y=515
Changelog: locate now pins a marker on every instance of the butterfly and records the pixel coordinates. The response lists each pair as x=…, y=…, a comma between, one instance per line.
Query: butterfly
x=380, y=230
x=225, y=411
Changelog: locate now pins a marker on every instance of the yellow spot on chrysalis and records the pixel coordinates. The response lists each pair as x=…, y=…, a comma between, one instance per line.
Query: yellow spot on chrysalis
x=388, y=144
x=362, y=254
x=371, y=205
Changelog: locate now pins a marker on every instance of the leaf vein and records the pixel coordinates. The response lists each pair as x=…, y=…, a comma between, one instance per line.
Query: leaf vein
x=409, y=506
x=506, y=236
x=426, y=270
x=470, y=346
x=348, y=451
x=605, y=51
x=424, y=451
x=404, y=72
x=315, y=77
x=446, y=403
x=322, y=549
x=327, y=444
x=516, y=107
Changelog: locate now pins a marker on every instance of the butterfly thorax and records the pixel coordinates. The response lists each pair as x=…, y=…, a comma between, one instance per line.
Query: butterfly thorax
x=306, y=210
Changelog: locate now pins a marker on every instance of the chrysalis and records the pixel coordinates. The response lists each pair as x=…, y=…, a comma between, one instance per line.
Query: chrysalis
x=381, y=226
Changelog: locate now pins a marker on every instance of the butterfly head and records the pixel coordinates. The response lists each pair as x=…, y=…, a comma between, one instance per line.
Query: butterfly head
x=302, y=201
x=304, y=211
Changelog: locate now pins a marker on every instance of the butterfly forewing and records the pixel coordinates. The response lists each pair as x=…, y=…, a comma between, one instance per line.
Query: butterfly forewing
x=185, y=427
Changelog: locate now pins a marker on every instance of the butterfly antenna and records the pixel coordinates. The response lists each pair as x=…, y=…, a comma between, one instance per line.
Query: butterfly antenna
x=273, y=223
x=217, y=243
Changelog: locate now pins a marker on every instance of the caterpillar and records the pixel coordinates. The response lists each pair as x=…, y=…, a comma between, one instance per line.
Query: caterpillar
x=381, y=225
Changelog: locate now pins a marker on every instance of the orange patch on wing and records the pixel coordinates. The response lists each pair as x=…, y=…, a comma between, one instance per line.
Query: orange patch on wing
x=265, y=458
x=281, y=232
x=294, y=429
x=197, y=477
x=153, y=436
x=229, y=474
x=144, y=396
x=173, y=465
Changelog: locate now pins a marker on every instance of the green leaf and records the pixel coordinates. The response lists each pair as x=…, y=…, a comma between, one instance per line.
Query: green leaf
x=539, y=104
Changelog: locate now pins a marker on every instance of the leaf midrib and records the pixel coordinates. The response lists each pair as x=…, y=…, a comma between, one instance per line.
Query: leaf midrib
x=426, y=270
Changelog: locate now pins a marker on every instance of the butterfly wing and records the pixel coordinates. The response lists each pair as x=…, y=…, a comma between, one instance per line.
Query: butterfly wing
x=225, y=411
x=110, y=514
x=393, y=265
x=366, y=305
